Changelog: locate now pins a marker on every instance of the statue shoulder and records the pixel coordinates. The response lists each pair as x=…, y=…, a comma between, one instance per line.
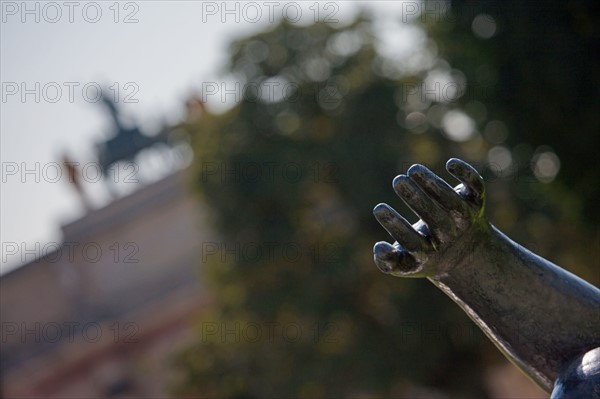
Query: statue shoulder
x=580, y=378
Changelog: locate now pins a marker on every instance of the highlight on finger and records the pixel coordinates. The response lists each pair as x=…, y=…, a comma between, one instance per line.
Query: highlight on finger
x=467, y=175
x=436, y=188
x=436, y=218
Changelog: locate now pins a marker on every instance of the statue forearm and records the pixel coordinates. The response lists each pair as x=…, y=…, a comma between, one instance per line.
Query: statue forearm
x=560, y=317
x=543, y=318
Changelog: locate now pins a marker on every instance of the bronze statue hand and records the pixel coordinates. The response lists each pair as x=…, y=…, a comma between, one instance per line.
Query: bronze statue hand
x=447, y=217
x=543, y=318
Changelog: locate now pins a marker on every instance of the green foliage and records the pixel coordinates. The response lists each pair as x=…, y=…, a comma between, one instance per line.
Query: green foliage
x=538, y=76
x=291, y=185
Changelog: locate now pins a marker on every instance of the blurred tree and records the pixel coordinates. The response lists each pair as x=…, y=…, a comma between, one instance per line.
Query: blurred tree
x=530, y=71
x=294, y=169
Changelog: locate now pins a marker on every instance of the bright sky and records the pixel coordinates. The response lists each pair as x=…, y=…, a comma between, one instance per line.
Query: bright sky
x=162, y=56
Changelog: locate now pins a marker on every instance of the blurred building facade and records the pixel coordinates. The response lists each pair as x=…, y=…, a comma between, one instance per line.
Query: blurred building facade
x=101, y=314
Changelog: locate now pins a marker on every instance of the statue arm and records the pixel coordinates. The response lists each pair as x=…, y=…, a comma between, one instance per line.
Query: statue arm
x=539, y=315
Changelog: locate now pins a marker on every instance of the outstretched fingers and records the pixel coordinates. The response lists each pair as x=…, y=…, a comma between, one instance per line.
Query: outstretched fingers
x=436, y=218
x=444, y=211
x=472, y=181
x=436, y=188
x=400, y=229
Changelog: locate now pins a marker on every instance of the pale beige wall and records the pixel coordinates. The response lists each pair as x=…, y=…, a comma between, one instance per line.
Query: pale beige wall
x=165, y=227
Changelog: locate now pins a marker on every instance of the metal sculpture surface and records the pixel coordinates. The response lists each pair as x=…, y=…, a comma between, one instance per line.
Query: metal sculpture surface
x=543, y=318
